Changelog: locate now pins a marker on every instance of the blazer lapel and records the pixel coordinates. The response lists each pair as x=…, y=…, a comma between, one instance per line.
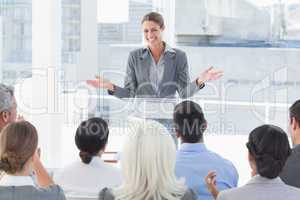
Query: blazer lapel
x=146, y=63
x=170, y=68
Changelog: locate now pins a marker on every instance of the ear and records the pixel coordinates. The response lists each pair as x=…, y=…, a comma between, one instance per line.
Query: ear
x=252, y=164
x=205, y=126
x=162, y=28
x=178, y=135
x=250, y=157
x=5, y=116
x=294, y=124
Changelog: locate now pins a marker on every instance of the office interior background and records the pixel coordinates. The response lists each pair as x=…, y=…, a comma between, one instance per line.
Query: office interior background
x=50, y=47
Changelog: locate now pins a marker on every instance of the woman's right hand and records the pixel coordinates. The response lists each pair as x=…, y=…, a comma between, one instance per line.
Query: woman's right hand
x=43, y=178
x=211, y=185
x=100, y=82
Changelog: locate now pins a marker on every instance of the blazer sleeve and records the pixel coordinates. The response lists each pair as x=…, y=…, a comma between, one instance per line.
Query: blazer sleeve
x=130, y=83
x=223, y=195
x=51, y=192
x=185, y=88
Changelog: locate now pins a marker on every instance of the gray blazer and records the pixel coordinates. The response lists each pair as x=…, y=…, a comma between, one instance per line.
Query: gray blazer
x=175, y=77
x=290, y=173
x=259, y=188
x=31, y=193
x=106, y=194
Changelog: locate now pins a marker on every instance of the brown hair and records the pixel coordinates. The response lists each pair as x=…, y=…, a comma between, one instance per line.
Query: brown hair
x=18, y=142
x=155, y=17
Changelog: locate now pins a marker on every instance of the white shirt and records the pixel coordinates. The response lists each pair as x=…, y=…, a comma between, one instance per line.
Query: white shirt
x=79, y=179
x=9, y=180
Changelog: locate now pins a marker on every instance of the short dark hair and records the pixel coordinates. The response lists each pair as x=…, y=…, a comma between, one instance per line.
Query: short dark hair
x=295, y=111
x=269, y=146
x=189, y=121
x=91, y=136
x=155, y=17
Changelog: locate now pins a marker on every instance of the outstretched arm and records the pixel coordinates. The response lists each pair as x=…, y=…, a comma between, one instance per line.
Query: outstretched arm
x=130, y=84
x=209, y=74
x=184, y=86
x=100, y=82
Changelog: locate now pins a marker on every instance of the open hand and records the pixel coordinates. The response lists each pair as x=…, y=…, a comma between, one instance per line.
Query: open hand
x=209, y=74
x=100, y=82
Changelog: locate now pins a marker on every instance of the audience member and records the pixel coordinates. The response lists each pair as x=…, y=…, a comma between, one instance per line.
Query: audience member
x=90, y=175
x=148, y=165
x=194, y=160
x=8, y=106
x=291, y=172
x=18, y=158
x=268, y=148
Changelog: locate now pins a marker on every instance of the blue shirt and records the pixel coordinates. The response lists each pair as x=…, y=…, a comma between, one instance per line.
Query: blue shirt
x=194, y=161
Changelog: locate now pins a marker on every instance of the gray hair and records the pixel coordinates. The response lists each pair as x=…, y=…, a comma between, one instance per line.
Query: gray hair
x=6, y=94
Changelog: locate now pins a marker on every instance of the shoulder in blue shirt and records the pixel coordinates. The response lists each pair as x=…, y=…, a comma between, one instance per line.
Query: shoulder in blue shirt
x=194, y=161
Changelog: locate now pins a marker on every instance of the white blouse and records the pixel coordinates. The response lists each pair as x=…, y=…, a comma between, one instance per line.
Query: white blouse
x=79, y=179
x=9, y=180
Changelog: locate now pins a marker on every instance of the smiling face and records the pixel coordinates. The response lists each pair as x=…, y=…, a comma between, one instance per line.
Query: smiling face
x=152, y=33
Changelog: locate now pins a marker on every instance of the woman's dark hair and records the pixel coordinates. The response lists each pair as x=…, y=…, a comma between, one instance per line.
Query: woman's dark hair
x=18, y=143
x=91, y=137
x=295, y=111
x=270, y=149
x=155, y=17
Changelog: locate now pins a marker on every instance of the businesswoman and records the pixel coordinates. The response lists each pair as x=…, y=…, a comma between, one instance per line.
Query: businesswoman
x=156, y=70
x=268, y=149
x=19, y=157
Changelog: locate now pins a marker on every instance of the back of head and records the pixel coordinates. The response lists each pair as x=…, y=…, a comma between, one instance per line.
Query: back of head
x=270, y=148
x=189, y=121
x=6, y=98
x=18, y=143
x=91, y=137
x=148, y=163
x=295, y=111
x=6, y=94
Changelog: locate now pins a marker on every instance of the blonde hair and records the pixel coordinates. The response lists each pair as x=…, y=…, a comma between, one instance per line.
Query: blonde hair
x=148, y=164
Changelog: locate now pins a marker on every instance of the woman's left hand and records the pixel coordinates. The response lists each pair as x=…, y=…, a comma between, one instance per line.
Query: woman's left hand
x=209, y=74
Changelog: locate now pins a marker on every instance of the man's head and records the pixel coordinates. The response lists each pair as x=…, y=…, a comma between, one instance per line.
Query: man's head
x=294, y=124
x=189, y=122
x=8, y=105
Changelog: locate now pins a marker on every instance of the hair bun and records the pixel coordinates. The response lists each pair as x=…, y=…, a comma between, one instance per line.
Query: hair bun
x=85, y=157
x=268, y=166
x=10, y=163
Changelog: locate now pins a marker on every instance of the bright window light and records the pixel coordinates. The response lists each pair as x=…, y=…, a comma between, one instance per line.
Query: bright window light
x=263, y=3
x=112, y=11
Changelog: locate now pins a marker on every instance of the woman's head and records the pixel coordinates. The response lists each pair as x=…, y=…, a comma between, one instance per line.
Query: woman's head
x=269, y=149
x=153, y=26
x=91, y=138
x=148, y=163
x=18, y=143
